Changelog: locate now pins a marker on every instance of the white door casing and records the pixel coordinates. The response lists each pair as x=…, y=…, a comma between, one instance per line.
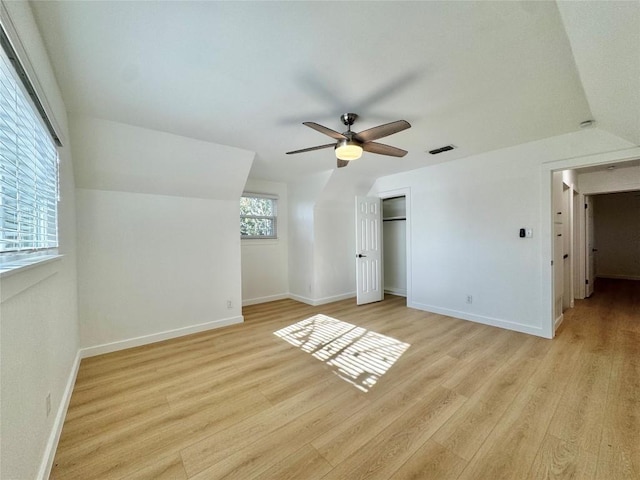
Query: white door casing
x=567, y=249
x=368, y=250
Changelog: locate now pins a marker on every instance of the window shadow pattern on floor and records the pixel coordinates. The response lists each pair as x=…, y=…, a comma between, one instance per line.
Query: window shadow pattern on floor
x=357, y=355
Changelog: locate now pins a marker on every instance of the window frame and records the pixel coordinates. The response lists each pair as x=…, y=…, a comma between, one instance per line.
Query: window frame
x=47, y=236
x=273, y=218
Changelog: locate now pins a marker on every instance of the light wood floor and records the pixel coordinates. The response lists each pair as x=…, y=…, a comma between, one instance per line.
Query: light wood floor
x=464, y=401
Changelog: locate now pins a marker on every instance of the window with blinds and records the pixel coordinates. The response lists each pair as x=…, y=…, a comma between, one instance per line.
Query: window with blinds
x=28, y=170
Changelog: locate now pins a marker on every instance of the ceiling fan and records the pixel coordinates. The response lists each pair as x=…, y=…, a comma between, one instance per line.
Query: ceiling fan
x=350, y=145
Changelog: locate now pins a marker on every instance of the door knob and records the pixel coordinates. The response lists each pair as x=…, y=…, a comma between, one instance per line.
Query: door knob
x=360, y=255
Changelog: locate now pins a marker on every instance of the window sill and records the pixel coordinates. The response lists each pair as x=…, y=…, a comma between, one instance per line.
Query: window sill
x=11, y=267
x=258, y=241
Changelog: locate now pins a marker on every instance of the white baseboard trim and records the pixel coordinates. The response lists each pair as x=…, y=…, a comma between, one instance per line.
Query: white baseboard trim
x=157, y=337
x=493, y=322
x=56, y=430
x=268, y=298
x=558, y=321
x=400, y=292
x=299, y=298
x=322, y=301
x=619, y=277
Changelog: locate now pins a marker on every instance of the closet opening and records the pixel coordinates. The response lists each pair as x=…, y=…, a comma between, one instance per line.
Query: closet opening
x=394, y=241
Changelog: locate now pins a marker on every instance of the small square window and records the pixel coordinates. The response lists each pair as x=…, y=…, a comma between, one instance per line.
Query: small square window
x=258, y=216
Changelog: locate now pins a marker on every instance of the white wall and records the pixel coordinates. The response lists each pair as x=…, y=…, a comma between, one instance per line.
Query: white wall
x=617, y=235
x=155, y=258
x=302, y=199
x=620, y=179
x=322, y=236
x=395, y=256
x=334, y=235
x=150, y=264
x=265, y=263
x=466, y=217
x=119, y=157
x=334, y=253
x=38, y=308
x=466, y=238
x=570, y=177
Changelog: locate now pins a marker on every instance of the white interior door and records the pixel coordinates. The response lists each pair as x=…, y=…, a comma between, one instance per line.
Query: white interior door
x=558, y=269
x=368, y=250
x=591, y=247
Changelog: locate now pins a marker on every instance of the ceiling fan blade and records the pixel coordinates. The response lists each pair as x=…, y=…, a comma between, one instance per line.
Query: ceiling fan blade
x=342, y=163
x=325, y=130
x=311, y=149
x=382, y=149
x=382, y=131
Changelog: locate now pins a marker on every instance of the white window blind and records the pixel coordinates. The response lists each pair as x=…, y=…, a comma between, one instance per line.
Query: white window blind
x=28, y=170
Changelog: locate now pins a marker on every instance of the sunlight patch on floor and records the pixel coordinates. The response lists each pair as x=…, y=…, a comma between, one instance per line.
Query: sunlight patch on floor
x=355, y=354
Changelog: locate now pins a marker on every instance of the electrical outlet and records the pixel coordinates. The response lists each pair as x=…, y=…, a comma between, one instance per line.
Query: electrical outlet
x=469, y=299
x=48, y=403
x=229, y=304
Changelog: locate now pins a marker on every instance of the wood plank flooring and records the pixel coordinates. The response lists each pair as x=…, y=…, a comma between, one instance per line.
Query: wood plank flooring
x=463, y=401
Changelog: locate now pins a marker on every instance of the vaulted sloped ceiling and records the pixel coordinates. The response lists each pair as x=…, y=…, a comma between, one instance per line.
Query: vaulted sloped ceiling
x=479, y=75
x=605, y=41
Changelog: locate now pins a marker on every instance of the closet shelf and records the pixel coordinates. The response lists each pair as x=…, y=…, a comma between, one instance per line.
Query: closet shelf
x=392, y=219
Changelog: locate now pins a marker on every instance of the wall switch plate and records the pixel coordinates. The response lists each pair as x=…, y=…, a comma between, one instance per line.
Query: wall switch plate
x=529, y=232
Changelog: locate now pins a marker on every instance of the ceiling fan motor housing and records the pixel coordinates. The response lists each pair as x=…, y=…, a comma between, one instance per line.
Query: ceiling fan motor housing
x=348, y=119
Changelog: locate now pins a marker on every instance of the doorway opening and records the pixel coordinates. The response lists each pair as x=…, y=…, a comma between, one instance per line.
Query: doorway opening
x=603, y=206
x=394, y=241
x=613, y=233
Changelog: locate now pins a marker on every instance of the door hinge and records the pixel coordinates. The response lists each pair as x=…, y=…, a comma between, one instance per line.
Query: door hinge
x=587, y=281
x=552, y=263
x=586, y=205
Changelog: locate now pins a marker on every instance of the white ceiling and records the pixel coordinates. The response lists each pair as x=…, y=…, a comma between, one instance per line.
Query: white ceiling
x=479, y=75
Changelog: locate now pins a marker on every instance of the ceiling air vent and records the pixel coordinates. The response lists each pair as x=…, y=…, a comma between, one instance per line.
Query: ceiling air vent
x=441, y=149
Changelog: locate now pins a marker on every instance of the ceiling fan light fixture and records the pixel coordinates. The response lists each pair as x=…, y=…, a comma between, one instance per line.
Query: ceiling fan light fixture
x=348, y=150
